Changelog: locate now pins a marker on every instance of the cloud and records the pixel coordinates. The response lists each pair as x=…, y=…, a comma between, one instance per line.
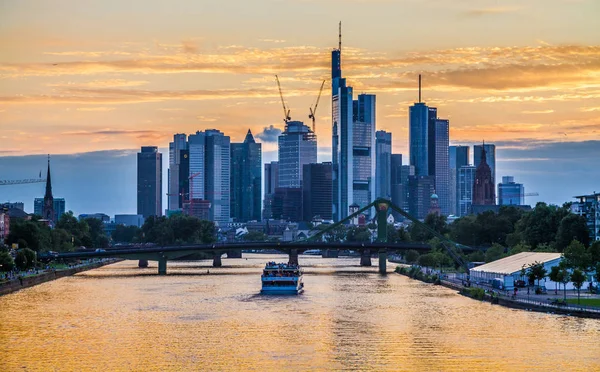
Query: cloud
x=95, y=108
x=489, y=11
x=205, y=119
x=112, y=83
x=277, y=41
x=269, y=134
x=189, y=46
x=538, y=112
x=110, y=132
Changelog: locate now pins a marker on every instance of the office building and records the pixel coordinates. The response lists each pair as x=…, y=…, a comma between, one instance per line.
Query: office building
x=217, y=181
x=317, y=191
x=363, y=154
x=14, y=205
x=420, y=117
x=510, y=192
x=439, y=162
x=588, y=206
x=342, y=137
x=197, y=165
x=287, y=204
x=174, y=196
x=466, y=179
x=420, y=190
x=129, y=219
x=458, y=157
x=184, y=178
x=105, y=218
x=59, y=206
x=483, y=187
x=246, y=176
x=383, y=168
x=149, y=182
x=297, y=146
x=490, y=157
x=271, y=183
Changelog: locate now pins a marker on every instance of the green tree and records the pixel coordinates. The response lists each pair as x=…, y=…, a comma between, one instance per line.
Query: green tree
x=337, y=234
x=564, y=277
x=126, y=234
x=493, y=253
x=421, y=233
x=572, y=227
x=35, y=234
x=540, y=225
x=578, y=278
x=555, y=277
x=594, y=251
x=519, y=248
x=96, y=232
x=411, y=256
x=61, y=240
x=477, y=256
x=538, y=272
x=25, y=259
x=597, y=274
x=6, y=262
x=358, y=234
x=577, y=257
x=429, y=260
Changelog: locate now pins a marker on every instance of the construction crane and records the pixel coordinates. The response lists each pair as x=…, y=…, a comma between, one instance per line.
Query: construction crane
x=21, y=182
x=286, y=110
x=313, y=111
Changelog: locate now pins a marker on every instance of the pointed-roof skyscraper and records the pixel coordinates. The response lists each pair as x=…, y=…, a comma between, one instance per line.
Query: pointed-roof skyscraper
x=483, y=187
x=246, y=178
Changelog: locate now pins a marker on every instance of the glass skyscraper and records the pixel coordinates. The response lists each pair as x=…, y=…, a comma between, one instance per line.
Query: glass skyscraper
x=297, y=146
x=440, y=144
x=246, y=176
x=466, y=179
x=149, y=182
x=342, y=138
x=174, y=186
x=383, y=169
x=419, y=138
x=363, y=146
x=510, y=192
x=217, y=181
x=459, y=157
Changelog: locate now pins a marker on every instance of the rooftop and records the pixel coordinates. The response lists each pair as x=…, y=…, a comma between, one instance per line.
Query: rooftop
x=514, y=263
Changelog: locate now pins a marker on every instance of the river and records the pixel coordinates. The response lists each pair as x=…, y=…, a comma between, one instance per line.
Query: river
x=121, y=318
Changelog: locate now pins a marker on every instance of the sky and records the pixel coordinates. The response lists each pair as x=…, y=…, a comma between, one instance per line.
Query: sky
x=91, y=81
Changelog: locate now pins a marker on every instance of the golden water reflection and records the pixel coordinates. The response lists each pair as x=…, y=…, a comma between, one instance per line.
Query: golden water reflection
x=121, y=318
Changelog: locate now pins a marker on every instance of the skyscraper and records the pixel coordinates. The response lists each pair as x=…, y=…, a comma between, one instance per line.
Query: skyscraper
x=510, y=192
x=420, y=190
x=342, y=136
x=440, y=143
x=174, y=186
x=297, y=146
x=420, y=115
x=317, y=192
x=363, y=146
x=466, y=179
x=58, y=204
x=383, y=169
x=483, y=187
x=197, y=165
x=246, y=160
x=217, y=181
x=149, y=182
x=459, y=157
x=490, y=157
x=271, y=183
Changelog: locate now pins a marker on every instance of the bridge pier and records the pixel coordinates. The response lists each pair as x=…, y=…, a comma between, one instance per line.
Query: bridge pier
x=143, y=264
x=365, y=257
x=162, y=266
x=293, y=257
x=330, y=253
x=217, y=260
x=383, y=261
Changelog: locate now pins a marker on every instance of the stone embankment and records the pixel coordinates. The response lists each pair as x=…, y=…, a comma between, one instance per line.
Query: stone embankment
x=29, y=281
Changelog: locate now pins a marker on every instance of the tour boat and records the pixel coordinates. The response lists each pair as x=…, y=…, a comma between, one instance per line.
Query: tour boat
x=282, y=278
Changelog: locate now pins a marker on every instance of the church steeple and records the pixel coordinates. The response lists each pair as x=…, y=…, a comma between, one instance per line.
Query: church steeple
x=48, y=193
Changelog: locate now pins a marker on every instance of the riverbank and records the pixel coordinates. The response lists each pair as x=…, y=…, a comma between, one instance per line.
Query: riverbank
x=481, y=294
x=46, y=276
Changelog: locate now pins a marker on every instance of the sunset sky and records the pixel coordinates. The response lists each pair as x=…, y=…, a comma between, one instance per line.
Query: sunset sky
x=83, y=76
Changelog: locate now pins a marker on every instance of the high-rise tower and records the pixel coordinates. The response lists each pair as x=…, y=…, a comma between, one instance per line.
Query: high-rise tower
x=245, y=177
x=483, y=187
x=149, y=182
x=342, y=136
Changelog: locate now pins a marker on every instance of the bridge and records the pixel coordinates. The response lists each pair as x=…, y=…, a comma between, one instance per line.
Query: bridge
x=163, y=254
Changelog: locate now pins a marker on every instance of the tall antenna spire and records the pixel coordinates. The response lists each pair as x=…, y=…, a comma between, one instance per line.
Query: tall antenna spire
x=419, y=88
x=340, y=40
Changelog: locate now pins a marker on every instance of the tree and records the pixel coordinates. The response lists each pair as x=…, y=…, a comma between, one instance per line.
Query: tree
x=25, y=259
x=61, y=240
x=358, y=234
x=538, y=271
x=411, y=256
x=597, y=274
x=428, y=260
x=337, y=234
x=519, y=248
x=555, y=277
x=493, y=253
x=476, y=256
x=572, y=227
x=6, y=261
x=577, y=257
x=31, y=234
x=126, y=234
x=594, y=251
x=436, y=222
x=578, y=278
x=564, y=277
